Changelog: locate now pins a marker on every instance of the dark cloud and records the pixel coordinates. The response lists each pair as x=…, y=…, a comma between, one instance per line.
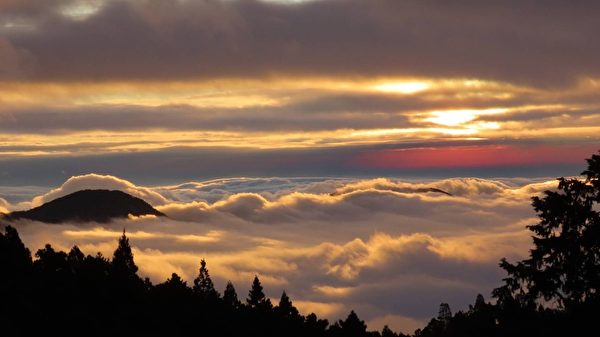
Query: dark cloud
x=546, y=43
x=15, y=62
x=316, y=115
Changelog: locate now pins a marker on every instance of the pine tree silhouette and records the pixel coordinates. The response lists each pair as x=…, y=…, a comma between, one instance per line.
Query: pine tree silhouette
x=444, y=314
x=564, y=265
x=285, y=307
x=203, y=284
x=256, y=296
x=353, y=326
x=122, y=263
x=230, y=296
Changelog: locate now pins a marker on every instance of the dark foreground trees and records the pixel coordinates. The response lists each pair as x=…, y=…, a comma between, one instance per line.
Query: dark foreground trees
x=564, y=265
x=552, y=293
x=68, y=294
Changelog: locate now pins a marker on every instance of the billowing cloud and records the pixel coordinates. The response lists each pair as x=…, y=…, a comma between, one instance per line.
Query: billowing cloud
x=217, y=189
x=96, y=181
x=391, y=249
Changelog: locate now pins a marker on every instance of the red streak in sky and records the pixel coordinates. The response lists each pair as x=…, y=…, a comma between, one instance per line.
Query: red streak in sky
x=474, y=156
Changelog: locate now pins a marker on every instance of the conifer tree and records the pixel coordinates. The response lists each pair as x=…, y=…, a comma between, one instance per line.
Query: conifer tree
x=285, y=307
x=230, y=296
x=444, y=314
x=353, y=326
x=564, y=265
x=122, y=263
x=203, y=284
x=256, y=296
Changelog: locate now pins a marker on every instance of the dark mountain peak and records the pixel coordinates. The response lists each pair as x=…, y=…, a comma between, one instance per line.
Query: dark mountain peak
x=88, y=206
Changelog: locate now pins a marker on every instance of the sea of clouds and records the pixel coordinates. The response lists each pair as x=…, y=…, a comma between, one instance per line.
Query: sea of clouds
x=390, y=249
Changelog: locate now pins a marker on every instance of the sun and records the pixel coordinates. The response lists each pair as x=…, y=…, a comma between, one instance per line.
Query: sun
x=459, y=117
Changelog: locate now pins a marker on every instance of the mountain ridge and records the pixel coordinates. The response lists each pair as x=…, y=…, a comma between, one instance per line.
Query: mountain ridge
x=89, y=205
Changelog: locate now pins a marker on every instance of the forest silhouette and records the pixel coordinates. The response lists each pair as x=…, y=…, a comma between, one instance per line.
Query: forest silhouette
x=554, y=292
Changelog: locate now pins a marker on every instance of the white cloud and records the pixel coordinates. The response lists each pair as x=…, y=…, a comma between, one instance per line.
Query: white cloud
x=218, y=189
x=96, y=181
x=389, y=249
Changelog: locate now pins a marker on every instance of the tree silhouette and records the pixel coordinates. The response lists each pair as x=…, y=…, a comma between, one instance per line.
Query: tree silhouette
x=15, y=258
x=50, y=261
x=285, y=307
x=564, y=265
x=256, y=296
x=203, y=284
x=444, y=314
x=353, y=326
x=230, y=296
x=173, y=289
x=66, y=294
x=75, y=256
x=16, y=282
x=315, y=326
x=387, y=332
x=122, y=261
x=176, y=283
x=479, y=303
x=127, y=289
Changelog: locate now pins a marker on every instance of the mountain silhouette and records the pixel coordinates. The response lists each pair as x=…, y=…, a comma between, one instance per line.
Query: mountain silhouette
x=407, y=190
x=87, y=206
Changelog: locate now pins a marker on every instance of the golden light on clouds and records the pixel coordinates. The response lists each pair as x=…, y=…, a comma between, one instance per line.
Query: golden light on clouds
x=81, y=9
x=80, y=118
x=230, y=92
x=102, y=233
x=402, y=87
x=459, y=117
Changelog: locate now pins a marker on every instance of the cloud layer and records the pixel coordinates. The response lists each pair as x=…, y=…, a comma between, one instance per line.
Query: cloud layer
x=511, y=41
x=287, y=85
x=95, y=182
x=392, y=250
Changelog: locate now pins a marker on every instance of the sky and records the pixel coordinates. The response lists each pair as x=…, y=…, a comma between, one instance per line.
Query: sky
x=176, y=90
x=305, y=128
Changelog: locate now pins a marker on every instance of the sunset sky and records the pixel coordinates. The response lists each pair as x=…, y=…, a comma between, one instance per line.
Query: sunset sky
x=304, y=131
x=201, y=89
